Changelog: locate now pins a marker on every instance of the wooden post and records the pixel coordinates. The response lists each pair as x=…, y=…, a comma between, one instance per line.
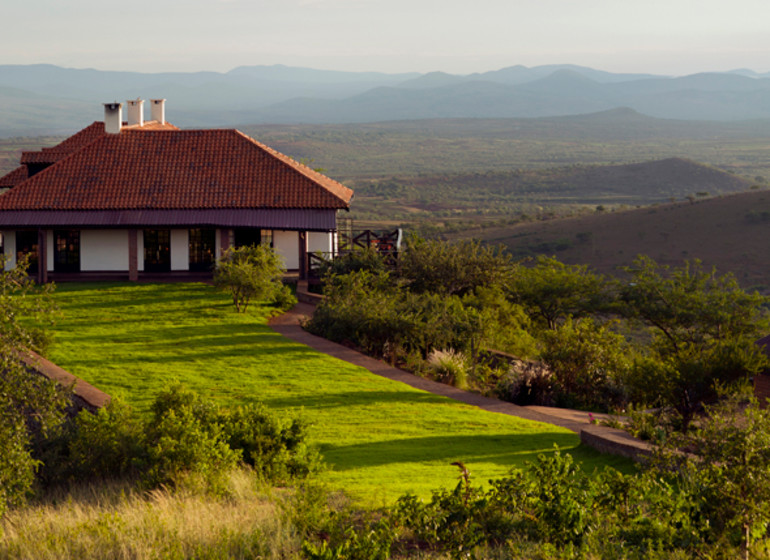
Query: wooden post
x=42, y=256
x=302, y=255
x=133, y=256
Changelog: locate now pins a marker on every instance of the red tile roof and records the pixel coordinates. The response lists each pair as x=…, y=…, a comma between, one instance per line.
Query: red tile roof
x=151, y=168
x=14, y=177
x=81, y=139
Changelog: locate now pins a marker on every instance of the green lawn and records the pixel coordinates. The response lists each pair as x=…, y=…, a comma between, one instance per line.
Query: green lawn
x=380, y=438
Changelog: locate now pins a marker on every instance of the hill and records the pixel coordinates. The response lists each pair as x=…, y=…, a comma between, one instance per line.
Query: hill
x=728, y=232
x=494, y=195
x=46, y=99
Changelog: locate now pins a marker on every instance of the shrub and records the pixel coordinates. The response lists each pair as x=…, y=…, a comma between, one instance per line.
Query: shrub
x=448, y=366
x=368, y=259
x=453, y=268
x=107, y=444
x=276, y=450
x=252, y=272
x=588, y=361
x=527, y=383
x=184, y=443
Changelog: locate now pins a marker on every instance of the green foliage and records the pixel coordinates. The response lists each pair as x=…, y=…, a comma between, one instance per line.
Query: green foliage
x=31, y=406
x=449, y=367
x=589, y=362
x=185, y=441
x=452, y=268
x=358, y=259
x=276, y=450
x=107, y=444
x=726, y=469
x=704, y=329
x=691, y=305
x=554, y=291
x=17, y=467
x=251, y=272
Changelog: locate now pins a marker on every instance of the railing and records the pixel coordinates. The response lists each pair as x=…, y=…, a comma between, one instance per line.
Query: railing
x=387, y=244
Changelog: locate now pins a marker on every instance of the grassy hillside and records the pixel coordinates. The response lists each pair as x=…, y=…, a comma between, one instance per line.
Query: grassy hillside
x=409, y=148
x=728, y=232
x=380, y=438
x=499, y=195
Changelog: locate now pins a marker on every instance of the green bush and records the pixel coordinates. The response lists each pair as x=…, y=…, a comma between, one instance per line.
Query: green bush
x=589, y=362
x=449, y=367
x=108, y=444
x=186, y=441
x=276, y=450
x=251, y=272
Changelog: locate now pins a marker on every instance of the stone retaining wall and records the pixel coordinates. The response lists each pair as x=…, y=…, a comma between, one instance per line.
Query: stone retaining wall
x=84, y=395
x=615, y=442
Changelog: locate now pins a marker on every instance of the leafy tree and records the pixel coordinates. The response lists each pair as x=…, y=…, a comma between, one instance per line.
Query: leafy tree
x=359, y=259
x=252, y=272
x=589, y=362
x=726, y=469
x=554, y=291
x=453, y=268
x=691, y=304
x=704, y=327
x=30, y=405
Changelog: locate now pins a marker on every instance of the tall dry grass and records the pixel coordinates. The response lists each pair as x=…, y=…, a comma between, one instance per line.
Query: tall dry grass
x=113, y=521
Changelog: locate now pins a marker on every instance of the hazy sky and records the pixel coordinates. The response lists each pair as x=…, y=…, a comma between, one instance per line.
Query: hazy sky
x=658, y=36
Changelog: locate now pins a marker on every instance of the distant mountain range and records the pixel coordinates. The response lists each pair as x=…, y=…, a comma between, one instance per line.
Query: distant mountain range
x=46, y=99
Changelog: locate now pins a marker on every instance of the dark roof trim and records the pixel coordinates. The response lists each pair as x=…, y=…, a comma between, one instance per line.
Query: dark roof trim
x=291, y=219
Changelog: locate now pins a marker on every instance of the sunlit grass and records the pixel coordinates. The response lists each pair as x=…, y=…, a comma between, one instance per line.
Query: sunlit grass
x=380, y=438
x=96, y=521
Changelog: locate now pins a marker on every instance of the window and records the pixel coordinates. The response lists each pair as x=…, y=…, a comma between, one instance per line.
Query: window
x=26, y=244
x=202, y=249
x=66, y=250
x=157, y=250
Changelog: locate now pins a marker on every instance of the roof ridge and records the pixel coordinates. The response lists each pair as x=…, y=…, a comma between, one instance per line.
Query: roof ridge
x=305, y=170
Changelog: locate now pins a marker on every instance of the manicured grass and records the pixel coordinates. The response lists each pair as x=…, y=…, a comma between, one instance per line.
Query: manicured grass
x=380, y=438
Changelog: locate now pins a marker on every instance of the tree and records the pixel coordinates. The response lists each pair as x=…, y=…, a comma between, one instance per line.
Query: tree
x=704, y=329
x=30, y=404
x=252, y=272
x=726, y=470
x=690, y=304
x=589, y=362
x=554, y=291
x=453, y=268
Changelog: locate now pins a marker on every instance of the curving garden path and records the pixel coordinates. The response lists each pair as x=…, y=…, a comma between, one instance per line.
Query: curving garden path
x=288, y=325
x=601, y=438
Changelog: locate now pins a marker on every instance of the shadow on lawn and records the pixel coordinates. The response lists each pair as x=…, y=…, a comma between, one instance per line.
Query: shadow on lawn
x=354, y=398
x=512, y=449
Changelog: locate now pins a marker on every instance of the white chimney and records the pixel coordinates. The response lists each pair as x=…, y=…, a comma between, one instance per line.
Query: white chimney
x=158, y=110
x=135, y=112
x=113, y=117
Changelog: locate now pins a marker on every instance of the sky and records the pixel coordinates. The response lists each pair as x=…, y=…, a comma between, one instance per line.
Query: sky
x=671, y=37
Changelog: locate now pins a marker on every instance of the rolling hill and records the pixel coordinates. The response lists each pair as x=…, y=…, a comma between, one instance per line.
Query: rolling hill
x=728, y=232
x=45, y=99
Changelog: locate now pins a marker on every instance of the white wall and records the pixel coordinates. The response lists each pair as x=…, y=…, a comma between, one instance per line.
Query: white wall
x=139, y=250
x=9, y=243
x=180, y=249
x=286, y=244
x=105, y=249
x=49, y=250
x=320, y=241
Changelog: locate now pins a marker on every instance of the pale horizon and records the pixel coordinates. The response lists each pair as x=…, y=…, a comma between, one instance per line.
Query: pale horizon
x=672, y=38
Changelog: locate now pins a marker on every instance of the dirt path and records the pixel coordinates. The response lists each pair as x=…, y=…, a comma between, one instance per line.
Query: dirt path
x=288, y=325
